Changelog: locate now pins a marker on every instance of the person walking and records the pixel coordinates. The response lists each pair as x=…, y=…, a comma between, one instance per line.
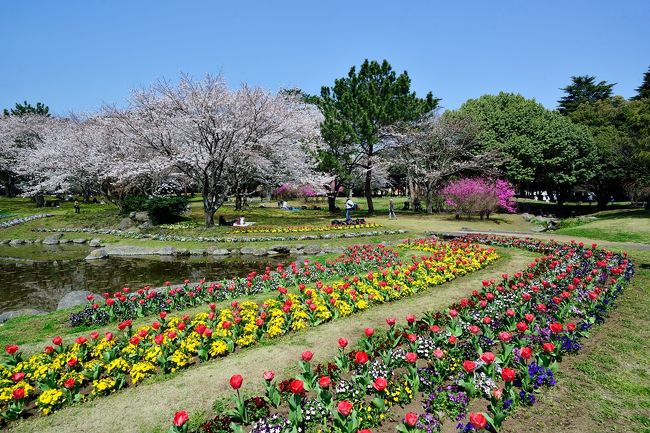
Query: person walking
x=349, y=205
x=391, y=210
x=77, y=208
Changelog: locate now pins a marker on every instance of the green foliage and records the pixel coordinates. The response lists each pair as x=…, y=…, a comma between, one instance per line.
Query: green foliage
x=542, y=149
x=583, y=90
x=356, y=108
x=643, y=91
x=27, y=108
x=161, y=209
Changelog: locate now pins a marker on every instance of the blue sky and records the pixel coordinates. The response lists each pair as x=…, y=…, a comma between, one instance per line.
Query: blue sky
x=76, y=55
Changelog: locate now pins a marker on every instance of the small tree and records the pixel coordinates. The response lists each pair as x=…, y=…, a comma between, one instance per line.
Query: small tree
x=478, y=196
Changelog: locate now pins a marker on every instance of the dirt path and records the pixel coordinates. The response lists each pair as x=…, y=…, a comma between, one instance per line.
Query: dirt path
x=150, y=406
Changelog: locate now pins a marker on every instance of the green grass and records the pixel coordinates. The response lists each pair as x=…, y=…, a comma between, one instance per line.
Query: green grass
x=628, y=225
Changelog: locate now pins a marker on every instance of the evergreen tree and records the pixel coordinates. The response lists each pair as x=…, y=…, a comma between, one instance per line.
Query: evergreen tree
x=643, y=91
x=355, y=110
x=27, y=108
x=583, y=89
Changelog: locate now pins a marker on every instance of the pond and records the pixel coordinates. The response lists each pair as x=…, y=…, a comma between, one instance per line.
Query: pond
x=41, y=283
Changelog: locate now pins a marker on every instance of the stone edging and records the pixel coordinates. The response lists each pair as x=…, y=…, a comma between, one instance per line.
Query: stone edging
x=17, y=221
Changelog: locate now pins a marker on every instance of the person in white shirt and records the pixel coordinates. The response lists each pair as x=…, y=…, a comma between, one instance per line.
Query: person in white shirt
x=349, y=205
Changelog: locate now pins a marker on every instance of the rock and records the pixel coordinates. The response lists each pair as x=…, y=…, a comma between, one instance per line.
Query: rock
x=16, y=242
x=312, y=249
x=65, y=241
x=16, y=313
x=132, y=215
x=295, y=251
x=220, y=252
x=198, y=252
x=333, y=250
x=167, y=251
x=259, y=252
x=282, y=249
x=125, y=223
x=72, y=299
x=99, y=253
x=79, y=241
x=182, y=252
x=247, y=250
x=272, y=253
x=5, y=241
x=53, y=239
x=141, y=216
x=95, y=242
x=145, y=225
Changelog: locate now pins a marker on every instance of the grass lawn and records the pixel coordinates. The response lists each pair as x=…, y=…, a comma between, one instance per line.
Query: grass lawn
x=628, y=225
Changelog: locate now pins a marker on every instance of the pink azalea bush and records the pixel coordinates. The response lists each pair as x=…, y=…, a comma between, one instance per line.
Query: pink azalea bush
x=479, y=196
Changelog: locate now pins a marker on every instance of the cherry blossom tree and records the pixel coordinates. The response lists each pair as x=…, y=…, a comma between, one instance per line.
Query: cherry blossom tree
x=435, y=149
x=219, y=138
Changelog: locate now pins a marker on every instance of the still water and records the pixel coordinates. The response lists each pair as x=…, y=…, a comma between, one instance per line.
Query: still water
x=41, y=283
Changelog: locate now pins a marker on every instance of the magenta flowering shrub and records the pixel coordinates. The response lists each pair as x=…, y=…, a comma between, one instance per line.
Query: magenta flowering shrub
x=479, y=196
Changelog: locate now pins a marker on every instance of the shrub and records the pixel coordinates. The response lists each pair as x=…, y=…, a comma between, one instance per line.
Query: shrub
x=161, y=209
x=478, y=196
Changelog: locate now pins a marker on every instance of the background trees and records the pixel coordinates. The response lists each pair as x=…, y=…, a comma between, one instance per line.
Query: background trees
x=355, y=109
x=583, y=90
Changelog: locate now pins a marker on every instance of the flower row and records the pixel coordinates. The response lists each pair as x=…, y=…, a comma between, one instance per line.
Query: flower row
x=127, y=304
x=500, y=346
x=303, y=228
x=98, y=365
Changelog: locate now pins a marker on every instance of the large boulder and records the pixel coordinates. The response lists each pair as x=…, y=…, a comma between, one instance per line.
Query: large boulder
x=16, y=313
x=96, y=242
x=99, y=253
x=125, y=223
x=312, y=249
x=141, y=216
x=167, y=251
x=282, y=249
x=53, y=239
x=72, y=299
x=220, y=252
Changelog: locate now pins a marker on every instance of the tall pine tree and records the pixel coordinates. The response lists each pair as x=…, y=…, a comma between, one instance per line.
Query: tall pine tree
x=358, y=106
x=583, y=89
x=643, y=91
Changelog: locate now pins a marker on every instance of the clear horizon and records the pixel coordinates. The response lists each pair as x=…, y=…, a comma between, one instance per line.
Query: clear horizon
x=78, y=56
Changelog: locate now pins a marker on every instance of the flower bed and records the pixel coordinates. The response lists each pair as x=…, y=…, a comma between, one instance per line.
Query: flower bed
x=304, y=228
x=219, y=239
x=125, y=304
x=500, y=347
x=98, y=365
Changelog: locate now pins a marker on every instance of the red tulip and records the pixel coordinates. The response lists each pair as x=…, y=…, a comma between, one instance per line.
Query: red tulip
x=180, y=418
x=69, y=383
x=48, y=350
x=526, y=352
x=488, y=357
x=508, y=374
x=324, y=382
x=410, y=318
x=391, y=321
x=236, y=381
x=369, y=332
x=522, y=326
x=342, y=343
x=17, y=377
x=18, y=394
x=571, y=327
x=438, y=353
x=505, y=336
x=297, y=386
x=380, y=384
x=477, y=420
x=474, y=329
x=108, y=336
x=411, y=357
x=57, y=341
x=94, y=335
x=269, y=375
x=344, y=408
x=452, y=339
x=11, y=349
x=72, y=362
x=556, y=327
x=469, y=366
x=307, y=356
x=548, y=347
x=361, y=357
x=529, y=317
x=80, y=340
x=410, y=419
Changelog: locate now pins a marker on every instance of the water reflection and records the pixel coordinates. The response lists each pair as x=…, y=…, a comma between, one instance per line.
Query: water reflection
x=40, y=284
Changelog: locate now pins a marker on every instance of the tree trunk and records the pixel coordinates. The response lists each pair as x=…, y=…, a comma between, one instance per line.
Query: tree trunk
x=208, y=216
x=331, y=202
x=429, y=201
x=238, y=202
x=412, y=191
x=40, y=200
x=368, y=191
